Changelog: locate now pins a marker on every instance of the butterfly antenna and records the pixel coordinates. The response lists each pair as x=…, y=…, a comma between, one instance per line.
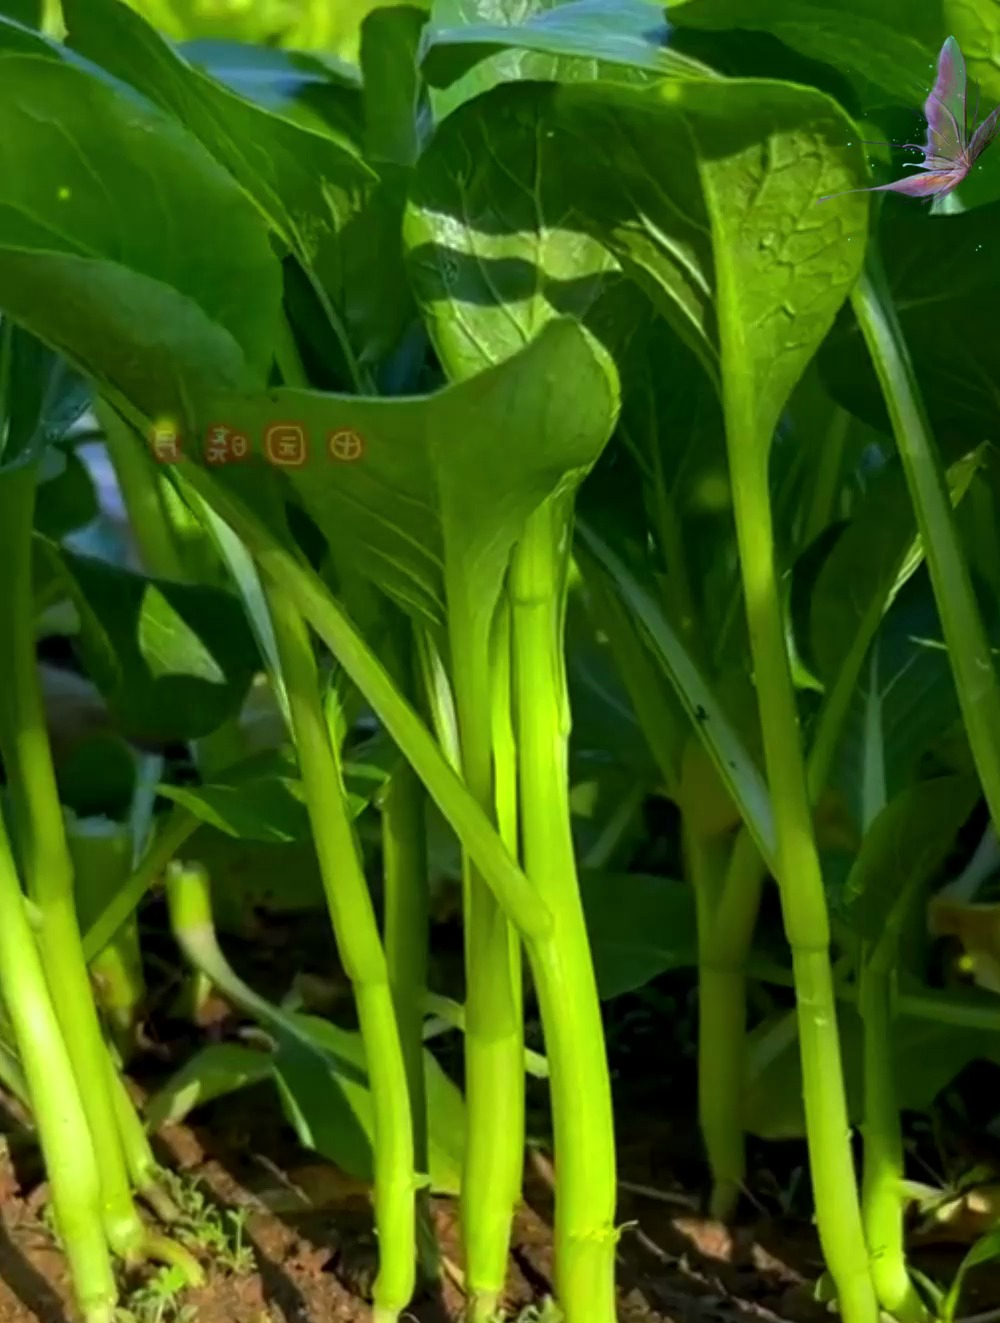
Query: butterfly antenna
x=900, y=146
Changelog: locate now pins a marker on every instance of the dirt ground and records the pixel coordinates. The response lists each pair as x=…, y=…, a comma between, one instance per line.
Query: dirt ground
x=310, y=1233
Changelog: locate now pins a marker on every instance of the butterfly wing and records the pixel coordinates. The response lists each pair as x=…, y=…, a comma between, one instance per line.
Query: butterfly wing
x=984, y=135
x=934, y=183
x=945, y=108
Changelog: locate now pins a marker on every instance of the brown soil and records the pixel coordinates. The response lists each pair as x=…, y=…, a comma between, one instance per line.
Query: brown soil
x=310, y=1231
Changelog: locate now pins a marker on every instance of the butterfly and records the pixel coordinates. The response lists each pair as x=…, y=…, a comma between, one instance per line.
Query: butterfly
x=951, y=150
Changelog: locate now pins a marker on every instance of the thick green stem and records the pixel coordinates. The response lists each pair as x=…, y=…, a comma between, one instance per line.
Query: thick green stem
x=360, y=948
x=838, y=1213
x=44, y=853
x=882, y=1187
x=168, y=838
x=55, y=1101
x=407, y=937
x=143, y=494
x=968, y=646
x=585, y=1235
x=494, y=1040
x=726, y=921
x=313, y=600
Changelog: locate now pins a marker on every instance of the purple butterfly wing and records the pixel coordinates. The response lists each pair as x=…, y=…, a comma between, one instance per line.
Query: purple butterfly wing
x=945, y=107
x=934, y=183
x=984, y=135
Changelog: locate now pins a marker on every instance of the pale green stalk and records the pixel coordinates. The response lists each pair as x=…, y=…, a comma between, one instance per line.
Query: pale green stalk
x=45, y=859
x=494, y=1040
x=838, y=1213
x=586, y=1183
x=407, y=938
x=55, y=1101
x=882, y=1186
x=361, y=953
x=47, y=866
x=313, y=599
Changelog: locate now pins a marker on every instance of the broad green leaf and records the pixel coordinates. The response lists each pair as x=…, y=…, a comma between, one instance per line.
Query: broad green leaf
x=104, y=250
x=942, y=270
x=639, y=927
x=855, y=584
x=66, y=498
x=905, y=688
x=253, y=879
x=902, y=849
x=315, y=192
x=927, y=1056
x=213, y=1072
x=445, y=1108
x=766, y=152
x=427, y=496
x=983, y=1251
x=737, y=769
x=101, y=851
x=395, y=107
x=172, y=660
x=494, y=251
x=96, y=776
x=261, y=799
x=886, y=49
x=324, y=1096
x=28, y=12
x=43, y=399
x=581, y=40
x=595, y=190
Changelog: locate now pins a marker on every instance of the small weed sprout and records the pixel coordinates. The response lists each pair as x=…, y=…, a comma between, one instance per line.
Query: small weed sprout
x=219, y=1233
x=158, y=1301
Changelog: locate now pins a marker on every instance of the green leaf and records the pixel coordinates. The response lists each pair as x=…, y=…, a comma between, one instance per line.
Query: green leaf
x=172, y=660
x=906, y=688
x=252, y=879
x=585, y=38
x=262, y=798
x=493, y=252
x=213, y=1072
x=855, y=584
x=639, y=927
x=734, y=763
x=393, y=92
x=927, y=1056
x=983, y=1251
x=593, y=180
x=66, y=498
x=766, y=152
x=323, y=1093
x=257, y=801
x=436, y=490
x=28, y=12
x=105, y=250
x=945, y=271
x=902, y=849
x=884, y=48
x=310, y=1109
x=44, y=398
x=101, y=851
